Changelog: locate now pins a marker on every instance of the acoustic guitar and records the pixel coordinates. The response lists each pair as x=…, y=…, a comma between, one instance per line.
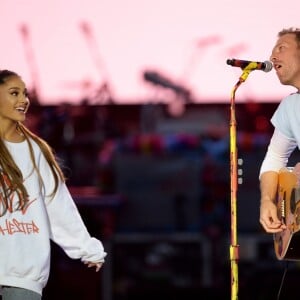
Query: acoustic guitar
x=287, y=242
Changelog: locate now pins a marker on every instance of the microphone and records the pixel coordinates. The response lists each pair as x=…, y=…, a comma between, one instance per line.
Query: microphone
x=265, y=66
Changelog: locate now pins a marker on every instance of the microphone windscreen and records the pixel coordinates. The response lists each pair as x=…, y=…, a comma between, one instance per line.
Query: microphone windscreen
x=268, y=66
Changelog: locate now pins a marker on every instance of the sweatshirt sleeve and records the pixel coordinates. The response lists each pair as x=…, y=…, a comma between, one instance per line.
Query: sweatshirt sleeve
x=66, y=226
x=68, y=230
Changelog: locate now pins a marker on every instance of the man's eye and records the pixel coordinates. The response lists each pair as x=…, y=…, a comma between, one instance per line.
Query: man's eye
x=15, y=93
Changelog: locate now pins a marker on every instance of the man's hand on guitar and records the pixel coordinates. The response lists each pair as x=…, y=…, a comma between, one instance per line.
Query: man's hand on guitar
x=268, y=217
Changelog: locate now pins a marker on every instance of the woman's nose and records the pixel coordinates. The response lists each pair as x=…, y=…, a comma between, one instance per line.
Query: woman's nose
x=24, y=99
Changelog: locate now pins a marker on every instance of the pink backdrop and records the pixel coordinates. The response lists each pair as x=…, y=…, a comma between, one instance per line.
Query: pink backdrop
x=69, y=48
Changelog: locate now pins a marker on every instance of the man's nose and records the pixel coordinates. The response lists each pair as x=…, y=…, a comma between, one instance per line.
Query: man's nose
x=272, y=57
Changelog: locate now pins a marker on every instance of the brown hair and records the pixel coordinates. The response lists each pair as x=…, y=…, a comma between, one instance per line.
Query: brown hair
x=291, y=30
x=11, y=179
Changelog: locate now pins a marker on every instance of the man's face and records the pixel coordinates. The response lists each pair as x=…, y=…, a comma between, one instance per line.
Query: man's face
x=286, y=60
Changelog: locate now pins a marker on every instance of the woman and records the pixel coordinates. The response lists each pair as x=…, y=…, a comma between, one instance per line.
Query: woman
x=35, y=204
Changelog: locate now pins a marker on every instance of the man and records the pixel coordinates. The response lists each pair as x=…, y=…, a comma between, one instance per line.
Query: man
x=286, y=121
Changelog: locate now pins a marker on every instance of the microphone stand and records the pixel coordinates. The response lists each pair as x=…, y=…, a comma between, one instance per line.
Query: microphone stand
x=234, y=247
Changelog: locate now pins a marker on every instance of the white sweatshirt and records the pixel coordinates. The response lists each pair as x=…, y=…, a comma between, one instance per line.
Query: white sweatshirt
x=25, y=235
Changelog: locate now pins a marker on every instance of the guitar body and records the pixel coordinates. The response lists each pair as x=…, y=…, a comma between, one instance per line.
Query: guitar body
x=287, y=242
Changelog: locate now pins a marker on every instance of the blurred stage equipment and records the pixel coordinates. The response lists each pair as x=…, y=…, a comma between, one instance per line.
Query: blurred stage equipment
x=160, y=80
x=176, y=106
x=103, y=93
x=197, y=53
x=236, y=49
x=34, y=90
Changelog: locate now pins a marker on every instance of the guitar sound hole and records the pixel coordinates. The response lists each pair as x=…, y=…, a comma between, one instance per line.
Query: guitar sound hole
x=293, y=201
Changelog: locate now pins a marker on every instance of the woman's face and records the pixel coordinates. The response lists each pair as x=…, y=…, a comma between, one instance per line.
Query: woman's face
x=14, y=102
